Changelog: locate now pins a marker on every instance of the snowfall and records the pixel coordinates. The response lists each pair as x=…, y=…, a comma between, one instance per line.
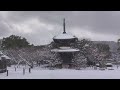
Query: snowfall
x=40, y=73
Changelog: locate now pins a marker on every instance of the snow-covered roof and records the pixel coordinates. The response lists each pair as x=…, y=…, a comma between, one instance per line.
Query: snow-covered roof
x=64, y=36
x=97, y=64
x=109, y=64
x=64, y=47
x=5, y=56
x=1, y=52
x=65, y=50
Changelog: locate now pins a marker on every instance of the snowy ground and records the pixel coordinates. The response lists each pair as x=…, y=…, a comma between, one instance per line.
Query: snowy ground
x=38, y=73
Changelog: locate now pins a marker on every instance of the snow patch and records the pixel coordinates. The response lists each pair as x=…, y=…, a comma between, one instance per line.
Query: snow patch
x=39, y=73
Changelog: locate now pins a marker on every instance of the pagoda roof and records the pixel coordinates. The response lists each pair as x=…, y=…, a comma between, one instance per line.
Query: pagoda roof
x=65, y=49
x=64, y=36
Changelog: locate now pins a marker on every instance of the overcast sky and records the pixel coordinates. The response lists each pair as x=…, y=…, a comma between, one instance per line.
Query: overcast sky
x=39, y=27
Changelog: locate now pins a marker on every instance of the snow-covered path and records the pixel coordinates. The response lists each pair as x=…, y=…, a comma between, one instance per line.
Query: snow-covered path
x=38, y=73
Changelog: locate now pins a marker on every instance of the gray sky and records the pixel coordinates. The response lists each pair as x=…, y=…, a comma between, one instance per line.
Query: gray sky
x=39, y=27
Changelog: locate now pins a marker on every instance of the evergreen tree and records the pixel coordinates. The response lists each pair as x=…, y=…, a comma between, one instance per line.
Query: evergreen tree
x=14, y=41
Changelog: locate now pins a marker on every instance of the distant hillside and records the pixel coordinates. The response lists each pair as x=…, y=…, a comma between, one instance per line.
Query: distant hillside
x=112, y=44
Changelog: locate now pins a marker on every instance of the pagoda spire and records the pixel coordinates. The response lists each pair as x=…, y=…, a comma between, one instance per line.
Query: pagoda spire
x=64, y=31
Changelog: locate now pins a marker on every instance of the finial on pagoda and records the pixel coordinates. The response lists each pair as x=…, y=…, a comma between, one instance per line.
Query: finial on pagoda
x=64, y=26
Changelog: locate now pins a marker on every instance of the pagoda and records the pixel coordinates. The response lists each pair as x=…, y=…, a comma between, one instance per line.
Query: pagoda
x=64, y=41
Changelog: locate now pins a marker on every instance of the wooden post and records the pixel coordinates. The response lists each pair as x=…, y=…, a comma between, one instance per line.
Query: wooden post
x=29, y=70
x=95, y=68
x=7, y=72
x=117, y=66
x=15, y=68
x=106, y=67
x=23, y=71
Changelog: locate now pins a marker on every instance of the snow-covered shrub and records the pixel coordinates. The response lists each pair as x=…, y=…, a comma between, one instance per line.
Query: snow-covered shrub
x=79, y=61
x=55, y=60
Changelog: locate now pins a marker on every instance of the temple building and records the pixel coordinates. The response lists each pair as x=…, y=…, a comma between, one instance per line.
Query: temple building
x=3, y=62
x=63, y=41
